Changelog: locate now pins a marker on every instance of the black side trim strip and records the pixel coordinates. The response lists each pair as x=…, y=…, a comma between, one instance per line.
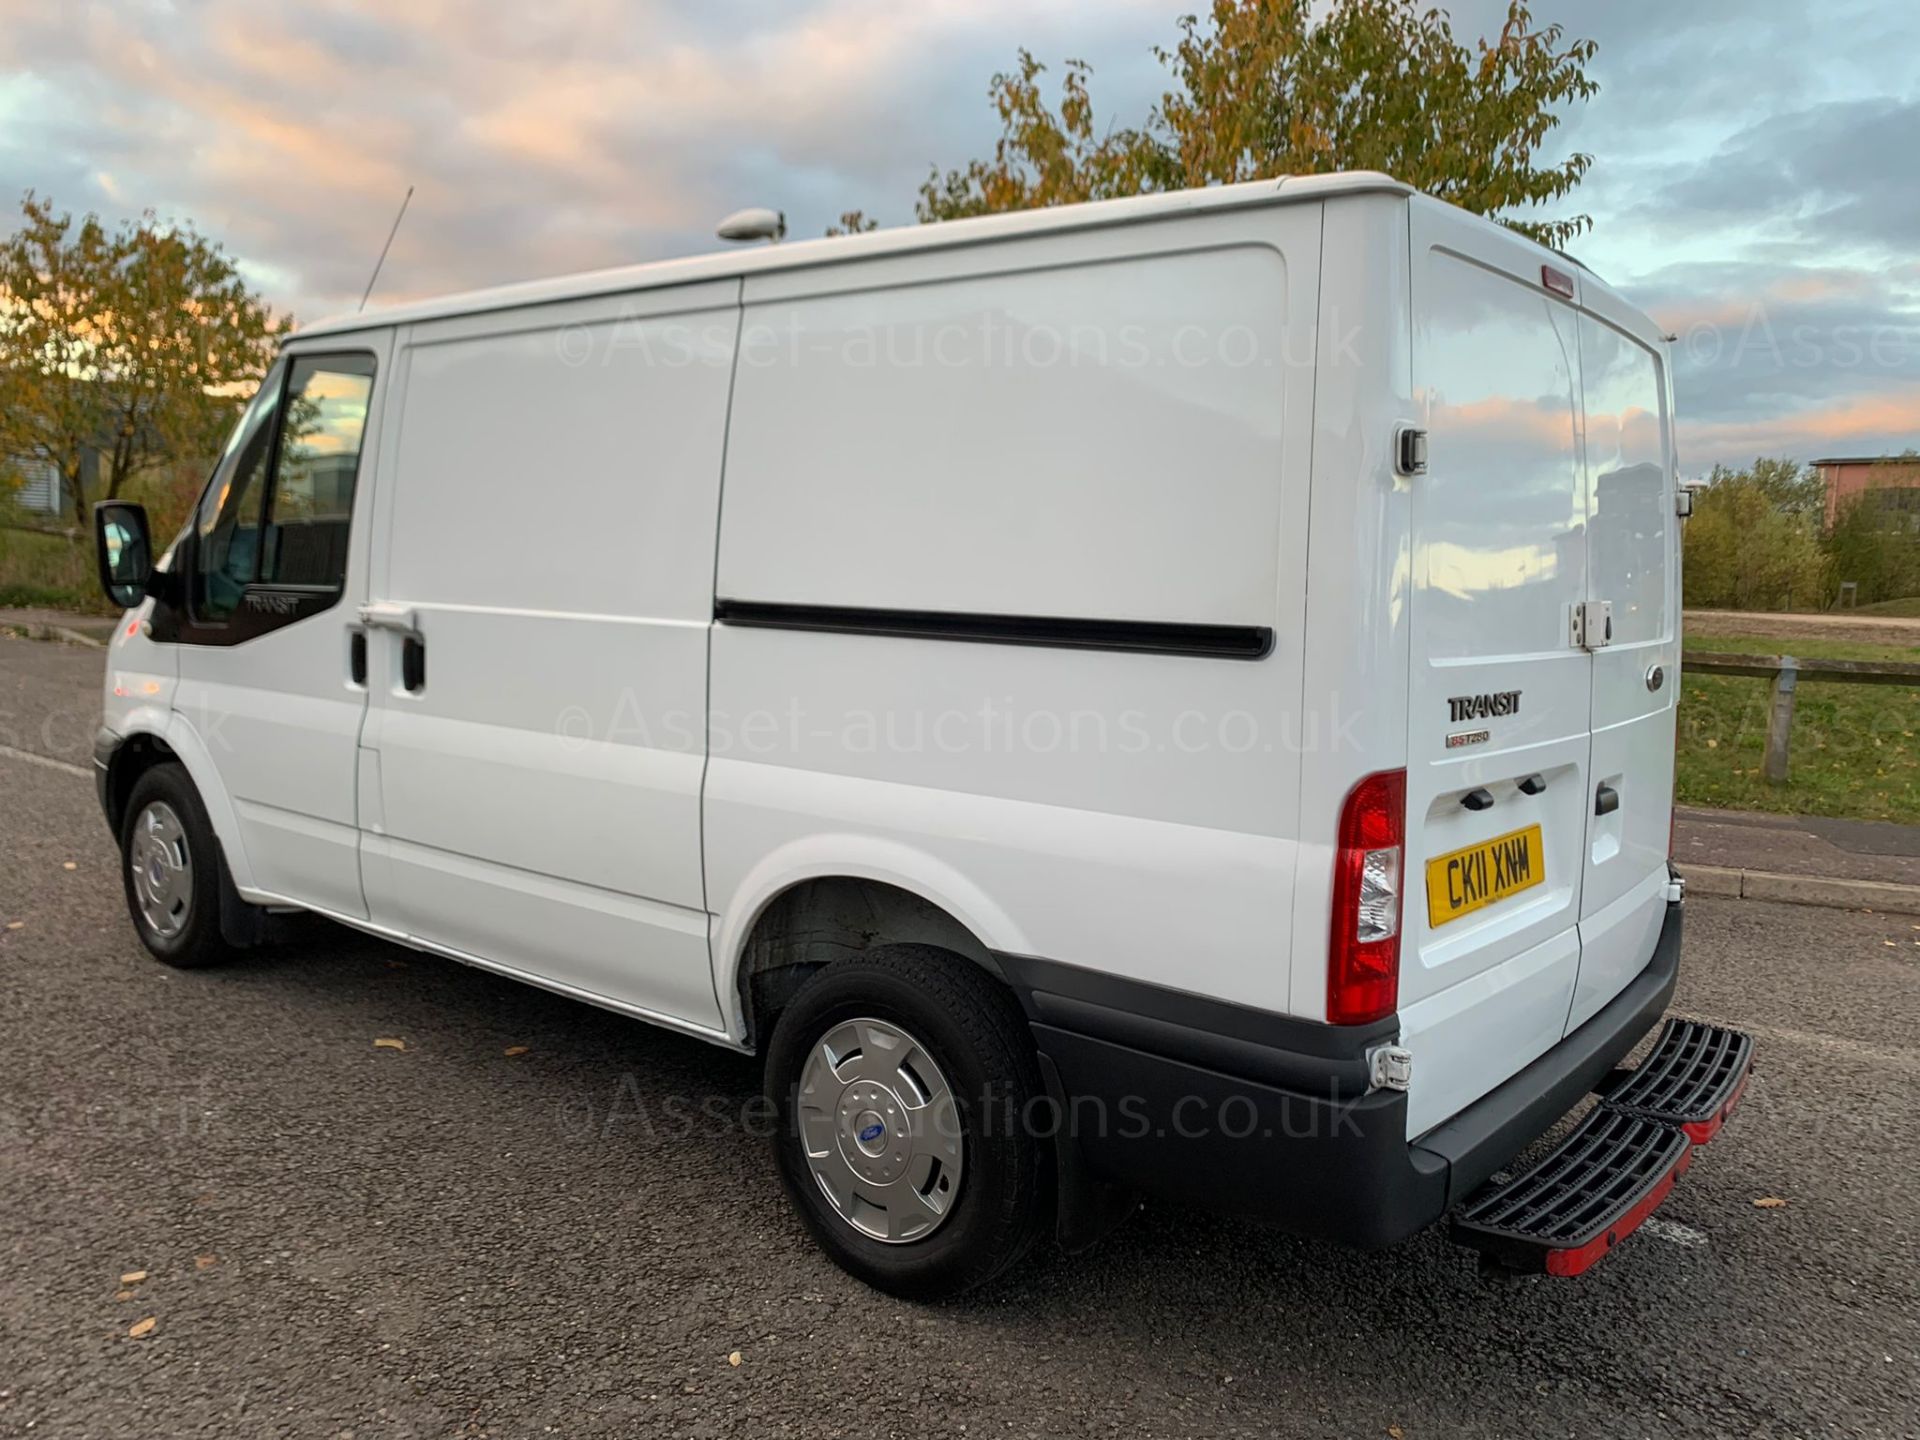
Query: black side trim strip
x=1158, y=637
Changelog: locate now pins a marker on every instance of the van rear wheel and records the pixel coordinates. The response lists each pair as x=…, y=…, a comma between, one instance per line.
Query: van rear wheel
x=904, y=1080
x=171, y=867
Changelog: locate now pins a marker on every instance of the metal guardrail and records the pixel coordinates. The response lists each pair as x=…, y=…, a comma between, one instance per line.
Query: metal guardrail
x=1786, y=672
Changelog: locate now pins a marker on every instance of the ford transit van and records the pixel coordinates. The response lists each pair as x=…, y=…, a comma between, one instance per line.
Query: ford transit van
x=1171, y=696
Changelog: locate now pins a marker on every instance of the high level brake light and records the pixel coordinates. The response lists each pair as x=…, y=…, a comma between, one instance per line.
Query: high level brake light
x=1363, y=956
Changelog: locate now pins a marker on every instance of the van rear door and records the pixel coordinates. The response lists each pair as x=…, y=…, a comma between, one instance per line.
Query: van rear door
x=1498, y=745
x=1631, y=568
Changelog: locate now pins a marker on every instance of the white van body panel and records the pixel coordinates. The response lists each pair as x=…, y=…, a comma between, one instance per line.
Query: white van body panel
x=281, y=715
x=1122, y=809
x=1518, y=521
x=1632, y=474
x=545, y=781
x=1354, y=675
x=1499, y=560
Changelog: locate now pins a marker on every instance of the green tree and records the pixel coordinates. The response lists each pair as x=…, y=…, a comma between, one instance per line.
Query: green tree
x=1754, y=541
x=1787, y=484
x=128, y=344
x=853, y=222
x=1262, y=90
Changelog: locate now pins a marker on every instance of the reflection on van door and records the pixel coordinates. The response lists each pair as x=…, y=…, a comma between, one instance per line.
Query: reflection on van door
x=1497, y=743
x=1636, y=674
x=542, y=595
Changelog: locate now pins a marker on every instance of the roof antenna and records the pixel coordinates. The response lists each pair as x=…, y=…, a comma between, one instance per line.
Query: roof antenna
x=386, y=247
x=754, y=224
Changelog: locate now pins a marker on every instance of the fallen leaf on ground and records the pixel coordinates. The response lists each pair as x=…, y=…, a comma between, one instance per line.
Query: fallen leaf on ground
x=515, y=1050
x=69, y=865
x=1394, y=1432
x=735, y=1358
x=141, y=1327
x=16, y=924
x=133, y=1277
x=1768, y=1202
x=387, y=1042
x=123, y=1295
x=205, y=1262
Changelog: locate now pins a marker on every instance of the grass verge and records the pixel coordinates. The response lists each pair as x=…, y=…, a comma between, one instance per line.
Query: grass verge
x=1854, y=747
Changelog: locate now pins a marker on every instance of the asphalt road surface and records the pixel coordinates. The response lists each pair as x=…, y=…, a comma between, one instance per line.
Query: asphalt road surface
x=448, y=1240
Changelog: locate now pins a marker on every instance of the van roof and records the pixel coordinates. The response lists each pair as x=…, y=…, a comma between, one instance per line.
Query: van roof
x=906, y=239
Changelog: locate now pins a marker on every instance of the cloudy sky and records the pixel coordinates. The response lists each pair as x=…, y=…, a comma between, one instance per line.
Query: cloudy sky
x=1756, y=184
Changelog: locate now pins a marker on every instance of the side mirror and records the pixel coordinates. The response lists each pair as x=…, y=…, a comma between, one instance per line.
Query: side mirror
x=125, y=551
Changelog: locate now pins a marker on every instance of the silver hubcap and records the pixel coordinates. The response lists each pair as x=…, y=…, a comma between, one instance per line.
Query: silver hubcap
x=162, y=870
x=881, y=1131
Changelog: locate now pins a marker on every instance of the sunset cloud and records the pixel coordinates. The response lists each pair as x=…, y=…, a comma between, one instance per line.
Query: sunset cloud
x=1740, y=190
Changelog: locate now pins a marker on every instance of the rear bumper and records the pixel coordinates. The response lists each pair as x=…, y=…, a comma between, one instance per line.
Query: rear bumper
x=1259, y=1115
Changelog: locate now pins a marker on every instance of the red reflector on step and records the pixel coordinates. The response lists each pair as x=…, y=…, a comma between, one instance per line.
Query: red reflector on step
x=1701, y=1131
x=1578, y=1262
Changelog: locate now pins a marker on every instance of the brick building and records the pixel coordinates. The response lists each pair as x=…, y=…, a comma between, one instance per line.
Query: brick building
x=1894, y=480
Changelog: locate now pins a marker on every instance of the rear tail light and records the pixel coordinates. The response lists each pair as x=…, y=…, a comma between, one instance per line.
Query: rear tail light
x=1363, y=955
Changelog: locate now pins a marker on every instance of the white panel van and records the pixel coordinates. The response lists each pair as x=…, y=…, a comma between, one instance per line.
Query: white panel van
x=1173, y=695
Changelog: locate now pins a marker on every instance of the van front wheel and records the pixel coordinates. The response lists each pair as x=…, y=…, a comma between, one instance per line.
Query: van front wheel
x=171, y=865
x=904, y=1082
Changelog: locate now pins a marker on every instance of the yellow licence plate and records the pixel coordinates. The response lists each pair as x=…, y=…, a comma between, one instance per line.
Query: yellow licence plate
x=1463, y=881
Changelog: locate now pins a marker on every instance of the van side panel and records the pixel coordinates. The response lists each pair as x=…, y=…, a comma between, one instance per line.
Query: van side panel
x=1354, y=701
x=1108, y=426
x=551, y=532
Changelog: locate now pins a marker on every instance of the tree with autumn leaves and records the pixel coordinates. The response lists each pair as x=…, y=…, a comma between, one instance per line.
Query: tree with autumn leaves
x=1262, y=89
x=128, y=347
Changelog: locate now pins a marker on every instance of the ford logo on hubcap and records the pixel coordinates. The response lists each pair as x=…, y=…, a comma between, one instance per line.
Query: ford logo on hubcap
x=872, y=1133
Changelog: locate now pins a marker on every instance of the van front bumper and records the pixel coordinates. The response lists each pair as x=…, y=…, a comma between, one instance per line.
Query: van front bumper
x=1238, y=1111
x=105, y=745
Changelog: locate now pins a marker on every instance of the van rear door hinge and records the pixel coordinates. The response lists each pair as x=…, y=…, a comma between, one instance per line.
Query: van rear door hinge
x=1389, y=1067
x=1592, y=624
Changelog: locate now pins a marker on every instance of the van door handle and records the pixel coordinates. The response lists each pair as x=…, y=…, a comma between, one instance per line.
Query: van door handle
x=385, y=615
x=413, y=663
x=1533, y=784
x=1606, y=800
x=1477, y=799
x=357, y=657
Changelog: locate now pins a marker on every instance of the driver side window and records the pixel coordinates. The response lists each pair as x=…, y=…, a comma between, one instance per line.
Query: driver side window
x=229, y=518
x=277, y=511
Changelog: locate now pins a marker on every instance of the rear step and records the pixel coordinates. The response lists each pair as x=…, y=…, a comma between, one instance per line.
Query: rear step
x=1693, y=1078
x=1599, y=1184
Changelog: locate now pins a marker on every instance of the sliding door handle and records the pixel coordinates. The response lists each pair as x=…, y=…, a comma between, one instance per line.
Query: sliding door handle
x=1606, y=800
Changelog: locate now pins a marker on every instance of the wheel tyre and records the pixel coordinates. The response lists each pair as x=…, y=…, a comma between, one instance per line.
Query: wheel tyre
x=198, y=941
x=973, y=1031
